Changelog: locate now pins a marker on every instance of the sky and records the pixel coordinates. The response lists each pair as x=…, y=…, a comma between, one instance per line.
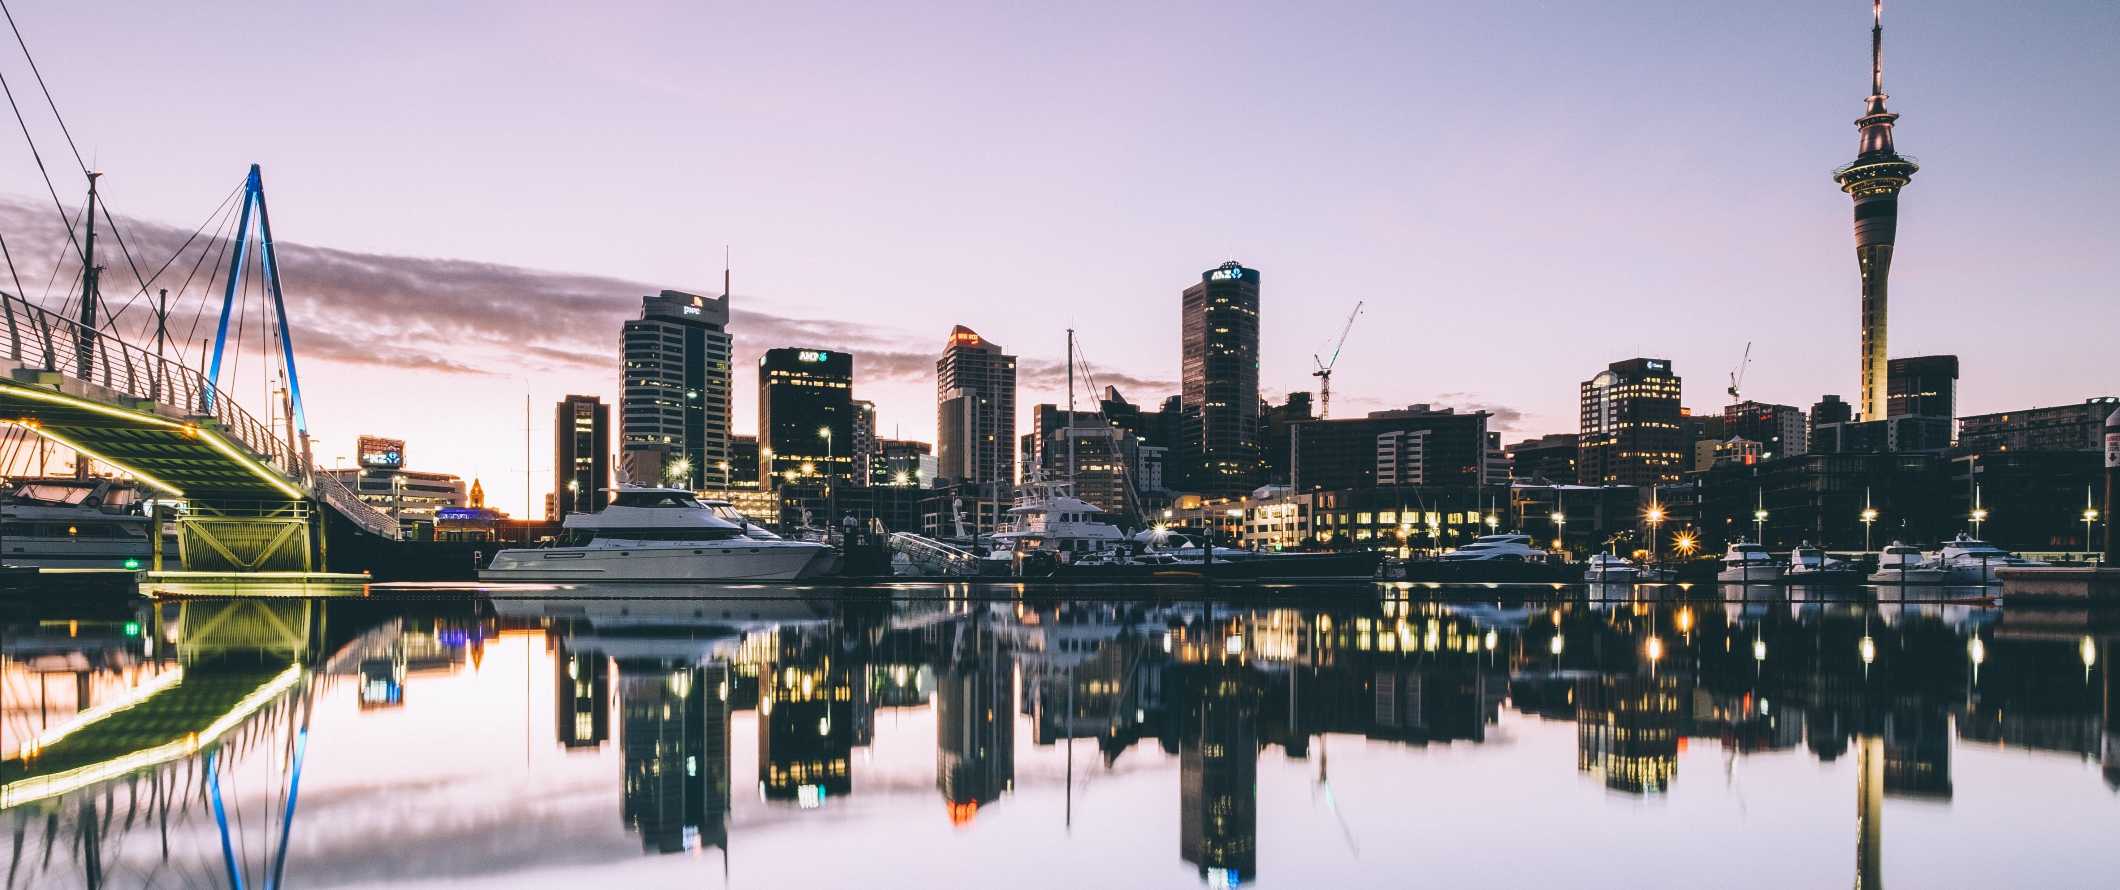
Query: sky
x=472, y=197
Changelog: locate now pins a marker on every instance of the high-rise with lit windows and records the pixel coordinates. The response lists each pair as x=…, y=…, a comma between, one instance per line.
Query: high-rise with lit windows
x=581, y=460
x=674, y=405
x=806, y=415
x=1219, y=382
x=1631, y=432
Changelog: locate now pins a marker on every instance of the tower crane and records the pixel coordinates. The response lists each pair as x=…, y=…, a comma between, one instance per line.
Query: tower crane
x=1324, y=371
x=1737, y=377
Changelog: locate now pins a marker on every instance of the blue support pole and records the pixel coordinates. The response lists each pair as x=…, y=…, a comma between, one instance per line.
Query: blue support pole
x=279, y=304
x=294, y=788
x=220, y=818
x=253, y=193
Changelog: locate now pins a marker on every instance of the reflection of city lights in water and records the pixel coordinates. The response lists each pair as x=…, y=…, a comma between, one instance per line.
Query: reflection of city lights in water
x=2089, y=651
x=1655, y=648
x=1976, y=650
x=1556, y=645
x=1492, y=638
x=1759, y=650
x=1685, y=620
x=1234, y=645
x=1869, y=649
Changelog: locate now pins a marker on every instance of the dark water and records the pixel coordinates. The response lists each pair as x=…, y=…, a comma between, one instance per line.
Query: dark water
x=937, y=736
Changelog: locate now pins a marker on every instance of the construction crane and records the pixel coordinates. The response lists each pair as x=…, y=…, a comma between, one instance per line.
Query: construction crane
x=1324, y=371
x=1737, y=377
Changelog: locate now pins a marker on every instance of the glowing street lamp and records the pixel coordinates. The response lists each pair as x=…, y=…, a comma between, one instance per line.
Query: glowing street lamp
x=1686, y=543
x=1869, y=519
x=1979, y=512
x=2090, y=515
x=1560, y=530
x=1656, y=519
x=1494, y=523
x=1759, y=526
x=680, y=468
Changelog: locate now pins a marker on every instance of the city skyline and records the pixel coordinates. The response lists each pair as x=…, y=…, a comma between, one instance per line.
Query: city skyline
x=834, y=270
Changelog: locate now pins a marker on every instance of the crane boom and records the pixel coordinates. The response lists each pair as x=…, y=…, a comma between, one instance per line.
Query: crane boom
x=1324, y=371
x=1737, y=377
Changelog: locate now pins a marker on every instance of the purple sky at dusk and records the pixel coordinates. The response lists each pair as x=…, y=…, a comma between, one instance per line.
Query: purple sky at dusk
x=1521, y=192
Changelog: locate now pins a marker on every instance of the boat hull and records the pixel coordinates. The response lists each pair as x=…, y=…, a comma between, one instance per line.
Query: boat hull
x=1750, y=574
x=779, y=561
x=1910, y=577
x=1301, y=565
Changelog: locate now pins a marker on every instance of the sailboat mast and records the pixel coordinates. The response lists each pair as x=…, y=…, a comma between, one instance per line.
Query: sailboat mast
x=1070, y=409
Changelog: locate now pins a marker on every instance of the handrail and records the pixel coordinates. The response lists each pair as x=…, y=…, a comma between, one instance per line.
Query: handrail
x=950, y=559
x=54, y=344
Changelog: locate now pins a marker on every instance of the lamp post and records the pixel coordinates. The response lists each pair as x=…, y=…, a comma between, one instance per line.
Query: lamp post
x=831, y=501
x=1869, y=519
x=1560, y=531
x=1494, y=523
x=574, y=497
x=724, y=475
x=2090, y=515
x=1656, y=520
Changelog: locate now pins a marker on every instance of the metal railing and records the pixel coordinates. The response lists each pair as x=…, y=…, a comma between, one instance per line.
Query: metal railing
x=40, y=339
x=935, y=556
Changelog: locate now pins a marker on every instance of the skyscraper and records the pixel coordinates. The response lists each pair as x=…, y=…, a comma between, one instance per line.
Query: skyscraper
x=674, y=410
x=1874, y=179
x=1922, y=386
x=975, y=418
x=805, y=414
x=581, y=458
x=1219, y=392
x=1631, y=430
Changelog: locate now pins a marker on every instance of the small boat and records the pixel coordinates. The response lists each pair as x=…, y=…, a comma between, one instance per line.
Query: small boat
x=1973, y=561
x=1606, y=568
x=1812, y=566
x=1904, y=564
x=660, y=534
x=1749, y=563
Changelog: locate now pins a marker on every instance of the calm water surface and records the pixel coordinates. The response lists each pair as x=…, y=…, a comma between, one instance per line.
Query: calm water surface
x=944, y=737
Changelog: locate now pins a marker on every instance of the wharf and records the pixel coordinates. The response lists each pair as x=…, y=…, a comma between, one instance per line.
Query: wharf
x=2081, y=585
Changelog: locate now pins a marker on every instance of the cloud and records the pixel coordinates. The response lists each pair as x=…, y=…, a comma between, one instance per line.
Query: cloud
x=1504, y=417
x=450, y=316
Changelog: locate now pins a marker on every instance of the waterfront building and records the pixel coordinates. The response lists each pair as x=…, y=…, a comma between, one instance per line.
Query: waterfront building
x=1820, y=497
x=742, y=471
x=1828, y=412
x=1780, y=430
x=1345, y=453
x=581, y=455
x=805, y=415
x=864, y=441
x=1590, y=515
x=1874, y=180
x=2033, y=501
x=1219, y=377
x=903, y=463
x=975, y=423
x=674, y=403
x=1370, y=518
x=2076, y=427
x=1922, y=386
x=1631, y=431
x=1276, y=436
x=1549, y=458
x=379, y=478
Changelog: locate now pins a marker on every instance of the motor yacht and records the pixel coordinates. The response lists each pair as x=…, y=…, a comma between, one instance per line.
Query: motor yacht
x=660, y=534
x=1497, y=548
x=727, y=512
x=1905, y=564
x=1749, y=563
x=1973, y=561
x=1048, y=518
x=1606, y=568
x=1812, y=565
x=74, y=524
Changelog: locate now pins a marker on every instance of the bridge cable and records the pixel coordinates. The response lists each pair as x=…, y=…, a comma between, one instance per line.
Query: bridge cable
x=41, y=170
x=221, y=242
x=150, y=280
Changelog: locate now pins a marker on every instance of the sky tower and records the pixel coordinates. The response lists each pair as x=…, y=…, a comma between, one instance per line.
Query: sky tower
x=1874, y=179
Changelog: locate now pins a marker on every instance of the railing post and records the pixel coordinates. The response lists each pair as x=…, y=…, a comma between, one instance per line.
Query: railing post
x=14, y=335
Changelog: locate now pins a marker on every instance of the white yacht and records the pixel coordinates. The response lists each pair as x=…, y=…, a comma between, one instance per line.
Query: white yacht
x=660, y=534
x=1812, y=565
x=1497, y=548
x=74, y=524
x=1606, y=568
x=1904, y=564
x=1047, y=517
x=727, y=512
x=1973, y=561
x=1746, y=562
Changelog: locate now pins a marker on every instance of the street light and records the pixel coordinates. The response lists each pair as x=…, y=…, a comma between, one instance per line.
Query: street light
x=574, y=496
x=1686, y=542
x=1560, y=530
x=2090, y=515
x=680, y=468
x=1494, y=523
x=1979, y=516
x=1759, y=526
x=724, y=474
x=1656, y=518
x=1869, y=519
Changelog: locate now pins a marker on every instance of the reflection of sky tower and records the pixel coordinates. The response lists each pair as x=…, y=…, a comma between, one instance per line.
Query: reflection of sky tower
x=1874, y=179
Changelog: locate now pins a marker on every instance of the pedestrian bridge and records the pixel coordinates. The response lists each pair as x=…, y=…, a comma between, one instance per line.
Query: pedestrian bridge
x=249, y=498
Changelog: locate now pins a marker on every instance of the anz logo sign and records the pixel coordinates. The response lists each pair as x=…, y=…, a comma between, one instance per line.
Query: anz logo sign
x=810, y=355
x=1227, y=273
